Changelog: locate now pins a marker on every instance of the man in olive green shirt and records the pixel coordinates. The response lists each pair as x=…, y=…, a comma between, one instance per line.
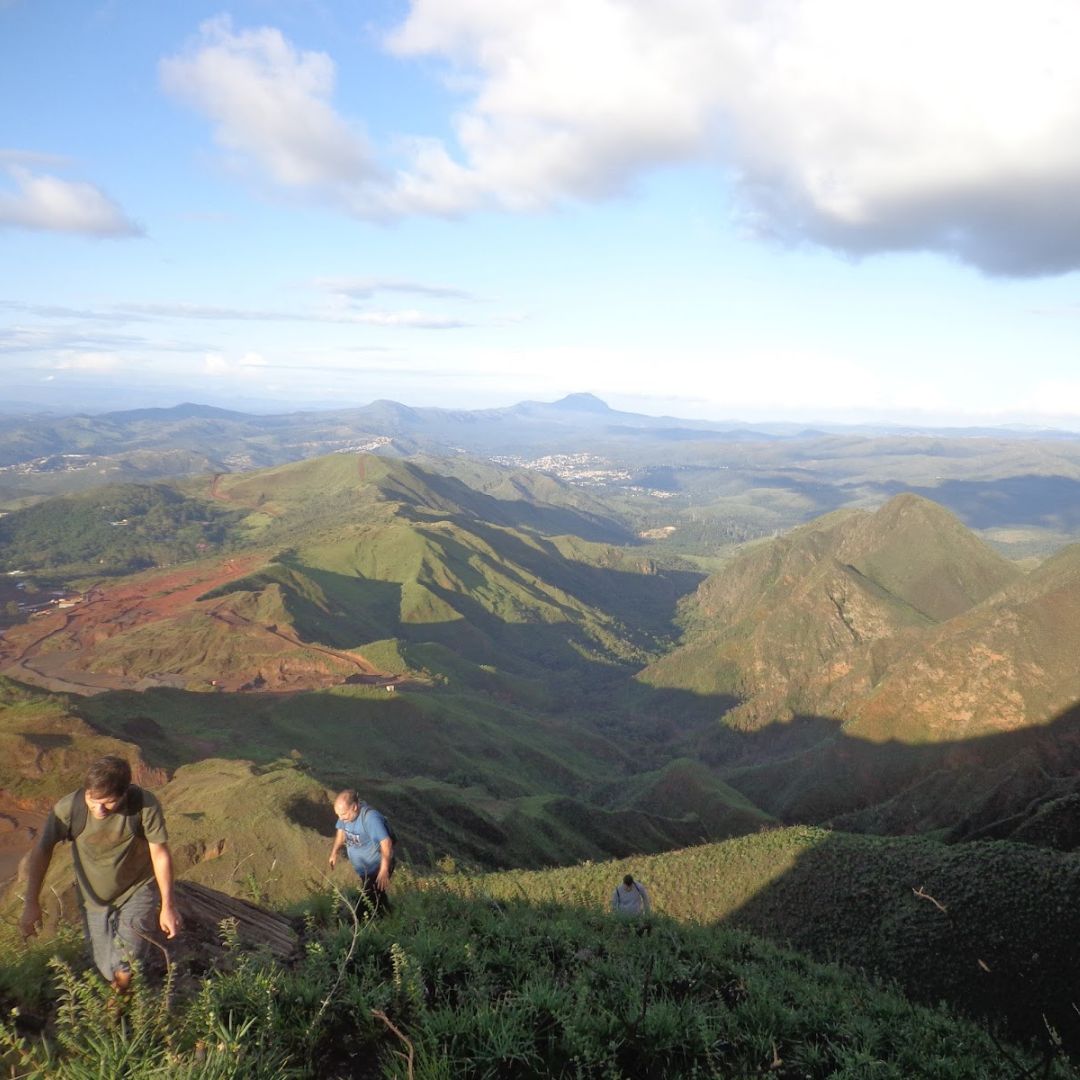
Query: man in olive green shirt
x=123, y=867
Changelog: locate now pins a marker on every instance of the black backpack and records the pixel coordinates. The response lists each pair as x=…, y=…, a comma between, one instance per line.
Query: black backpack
x=132, y=810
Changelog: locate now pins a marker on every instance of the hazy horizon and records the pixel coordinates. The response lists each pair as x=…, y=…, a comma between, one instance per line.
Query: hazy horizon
x=713, y=212
x=116, y=401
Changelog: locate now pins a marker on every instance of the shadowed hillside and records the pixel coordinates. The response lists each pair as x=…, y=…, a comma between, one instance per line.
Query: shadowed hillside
x=990, y=928
x=807, y=623
x=370, y=560
x=882, y=672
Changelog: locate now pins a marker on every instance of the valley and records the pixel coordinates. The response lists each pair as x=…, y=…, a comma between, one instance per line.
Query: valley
x=790, y=704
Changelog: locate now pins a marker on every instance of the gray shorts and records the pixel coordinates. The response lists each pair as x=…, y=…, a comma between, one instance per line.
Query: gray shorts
x=120, y=935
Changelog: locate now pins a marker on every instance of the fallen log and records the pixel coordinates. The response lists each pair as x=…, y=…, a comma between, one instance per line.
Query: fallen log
x=203, y=910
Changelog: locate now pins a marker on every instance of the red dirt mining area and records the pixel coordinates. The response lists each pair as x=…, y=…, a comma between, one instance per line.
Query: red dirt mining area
x=54, y=650
x=44, y=650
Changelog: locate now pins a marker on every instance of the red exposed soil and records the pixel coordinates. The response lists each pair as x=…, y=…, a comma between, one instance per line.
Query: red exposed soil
x=51, y=650
x=215, y=488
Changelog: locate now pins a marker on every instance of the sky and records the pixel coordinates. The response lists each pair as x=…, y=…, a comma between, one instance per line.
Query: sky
x=825, y=210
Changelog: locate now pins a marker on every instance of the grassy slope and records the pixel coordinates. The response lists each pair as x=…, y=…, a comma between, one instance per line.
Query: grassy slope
x=526, y=987
x=464, y=775
x=453, y=987
x=261, y=832
x=1010, y=921
x=371, y=550
x=45, y=747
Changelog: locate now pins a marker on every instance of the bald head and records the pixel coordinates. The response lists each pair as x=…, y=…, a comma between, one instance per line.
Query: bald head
x=347, y=804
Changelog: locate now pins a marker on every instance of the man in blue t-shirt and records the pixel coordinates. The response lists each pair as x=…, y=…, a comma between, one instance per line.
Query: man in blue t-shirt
x=362, y=831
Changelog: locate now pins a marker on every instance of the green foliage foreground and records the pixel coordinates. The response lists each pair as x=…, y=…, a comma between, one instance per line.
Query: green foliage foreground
x=447, y=986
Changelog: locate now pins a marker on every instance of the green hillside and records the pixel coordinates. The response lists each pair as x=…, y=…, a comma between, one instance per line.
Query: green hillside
x=463, y=775
x=887, y=672
x=115, y=529
x=1004, y=945
x=343, y=552
x=526, y=690
x=45, y=747
x=805, y=624
x=1004, y=665
x=343, y=486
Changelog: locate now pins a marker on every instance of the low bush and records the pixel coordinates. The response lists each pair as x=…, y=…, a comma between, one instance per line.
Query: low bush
x=453, y=986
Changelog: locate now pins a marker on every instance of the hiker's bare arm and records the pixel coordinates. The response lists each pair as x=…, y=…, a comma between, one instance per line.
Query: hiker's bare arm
x=386, y=853
x=161, y=857
x=335, y=850
x=37, y=865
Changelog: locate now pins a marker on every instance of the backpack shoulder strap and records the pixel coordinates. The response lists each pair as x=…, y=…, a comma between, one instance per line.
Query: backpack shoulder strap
x=134, y=809
x=78, y=816
x=362, y=820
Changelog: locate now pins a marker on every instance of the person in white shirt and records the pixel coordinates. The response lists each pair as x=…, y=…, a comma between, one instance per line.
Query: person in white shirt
x=630, y=899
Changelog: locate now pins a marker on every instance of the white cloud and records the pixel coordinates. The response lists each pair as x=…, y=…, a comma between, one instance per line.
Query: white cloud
x=249, y=365
x=48, y=203
x=208, y=312
x=409, y=319
x=270, y=105
x=215, y=364
x=365, y=288
x=32, y=159
x=95, y=362
x=341, y=313
x=863, y=126
x=36, y=339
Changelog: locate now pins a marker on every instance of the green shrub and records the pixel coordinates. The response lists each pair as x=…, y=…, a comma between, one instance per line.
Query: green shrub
x=454, y=986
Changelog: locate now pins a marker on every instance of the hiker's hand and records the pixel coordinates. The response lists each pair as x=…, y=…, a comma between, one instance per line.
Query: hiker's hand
x=333, y=859
x=169, y=921
x=382, y=878
x=30, y=922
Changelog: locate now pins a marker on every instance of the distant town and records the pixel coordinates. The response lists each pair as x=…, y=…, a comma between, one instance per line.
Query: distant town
x=583, y=470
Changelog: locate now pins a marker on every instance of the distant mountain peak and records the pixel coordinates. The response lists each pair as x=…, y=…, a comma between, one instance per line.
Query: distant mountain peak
x=582, y=403
x=186, y=410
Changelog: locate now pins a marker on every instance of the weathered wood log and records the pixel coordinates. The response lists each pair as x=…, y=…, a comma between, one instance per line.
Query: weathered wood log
x=202, y=910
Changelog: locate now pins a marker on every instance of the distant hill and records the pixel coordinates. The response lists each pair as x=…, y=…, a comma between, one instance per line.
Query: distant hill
x=335, y=556
x=700, y=486
x=242, y=439
x=111, y=529
x=185, y=411
x=804, y=624
x=896, y=674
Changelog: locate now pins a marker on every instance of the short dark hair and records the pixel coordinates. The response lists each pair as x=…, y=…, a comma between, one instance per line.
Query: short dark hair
x=109, y=777
x=628, y=880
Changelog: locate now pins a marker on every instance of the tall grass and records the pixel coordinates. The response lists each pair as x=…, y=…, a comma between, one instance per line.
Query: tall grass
x=453, y=986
